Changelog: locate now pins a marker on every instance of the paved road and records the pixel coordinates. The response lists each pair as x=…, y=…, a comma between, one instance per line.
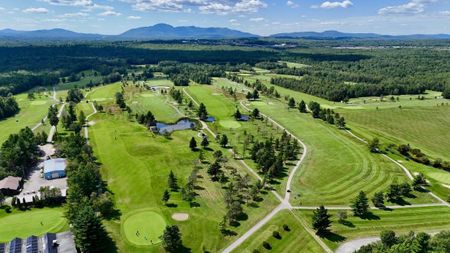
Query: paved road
x=53, y=129
x=86, y=126
x=354, y=245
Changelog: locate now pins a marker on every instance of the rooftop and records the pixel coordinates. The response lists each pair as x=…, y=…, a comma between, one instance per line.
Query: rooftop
x=52, y=165
x=11, y=183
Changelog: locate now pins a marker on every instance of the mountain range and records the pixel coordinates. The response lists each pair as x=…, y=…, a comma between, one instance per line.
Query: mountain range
x=168, y=32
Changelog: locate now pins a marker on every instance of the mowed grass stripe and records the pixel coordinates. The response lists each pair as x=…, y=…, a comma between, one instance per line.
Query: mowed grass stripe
x=427, y=128
x=429, y=219
x=337, y=166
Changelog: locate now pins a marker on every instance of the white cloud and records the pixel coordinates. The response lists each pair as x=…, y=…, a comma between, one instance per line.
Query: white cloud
x=333, y=5
x=110, y=13
x=445, y=13
x=410, y=8
x=205, y=6
x=292, y=4
x=73, y=15
x=134, y=17
x=88, y=5
x=258, y=19
x=39, y=10
x=2, y=9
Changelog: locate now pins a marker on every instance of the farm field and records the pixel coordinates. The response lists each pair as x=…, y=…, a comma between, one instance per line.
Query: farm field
x=35, y=222
x=296, y=239
x=135, y=163
x=31, y=113
x=429, y=219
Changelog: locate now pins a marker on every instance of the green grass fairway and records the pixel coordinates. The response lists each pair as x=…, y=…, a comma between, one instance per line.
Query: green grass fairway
x=214, y=103
x=428, y=219
x=337, y=166
x=144, y=227
x=427, y=128
x=230, y=124
x=103, y=93
x=156, y=103
x=24, y=224
x=295, y=240
x=31, y=113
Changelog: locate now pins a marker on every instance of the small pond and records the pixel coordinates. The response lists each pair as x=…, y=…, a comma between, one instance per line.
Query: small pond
x=183, y=124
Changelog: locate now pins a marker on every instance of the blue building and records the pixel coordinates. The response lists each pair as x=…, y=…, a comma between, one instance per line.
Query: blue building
x=55, y=168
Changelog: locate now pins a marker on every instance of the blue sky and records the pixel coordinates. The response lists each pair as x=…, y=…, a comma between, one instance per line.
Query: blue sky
x=257, y=16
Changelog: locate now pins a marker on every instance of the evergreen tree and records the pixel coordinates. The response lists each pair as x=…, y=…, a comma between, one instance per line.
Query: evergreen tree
x=302, y=106
x=237, y=114
x=172, y=182
x=255, y=113
x=87, y=229
x=193, y=144
x=378, y=200
x=165, y=197
x=224, y=141
x=321, y=220
x=171, y=239
x=202, y=112
x=205, y=142
x=360, y=205
x=81, y=118
x=214, y=170
x=291, y=102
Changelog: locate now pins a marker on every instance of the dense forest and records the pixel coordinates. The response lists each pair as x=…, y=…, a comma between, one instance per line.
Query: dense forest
x=334, y=73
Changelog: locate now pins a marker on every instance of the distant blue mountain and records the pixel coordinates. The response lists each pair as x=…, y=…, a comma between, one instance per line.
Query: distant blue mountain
x=165, y=31
x=168, y=32
x=340, y=35
x=48, y=34
x=156, y=32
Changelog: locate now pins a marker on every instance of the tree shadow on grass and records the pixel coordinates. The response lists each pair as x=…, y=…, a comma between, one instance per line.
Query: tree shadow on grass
x=228, y=232
x=171, y=205
x=347, y=223
x=332, y=236
x=370, y=216
x=401, y=202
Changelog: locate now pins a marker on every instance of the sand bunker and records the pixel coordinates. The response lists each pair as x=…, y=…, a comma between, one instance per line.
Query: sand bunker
x=180, y=216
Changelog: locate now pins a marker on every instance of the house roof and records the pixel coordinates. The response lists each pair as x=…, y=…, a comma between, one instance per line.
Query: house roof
x=11, y=183
x=53, y=165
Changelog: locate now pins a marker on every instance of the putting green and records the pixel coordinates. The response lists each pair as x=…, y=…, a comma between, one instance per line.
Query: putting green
x=39, y=102
x=230, y=124
x=144, y=228
x=147, y=95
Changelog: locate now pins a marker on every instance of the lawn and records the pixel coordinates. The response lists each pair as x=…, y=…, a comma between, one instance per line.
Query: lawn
x=295, y=239
x=31, y=113
x=427, y=128
x=337, y=166
x=429, y=219
x=135, y=164
x=34, y=222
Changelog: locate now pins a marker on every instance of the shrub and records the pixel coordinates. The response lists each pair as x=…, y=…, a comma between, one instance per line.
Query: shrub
x=286, y=227
x=276, y=234
x=267, y=245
